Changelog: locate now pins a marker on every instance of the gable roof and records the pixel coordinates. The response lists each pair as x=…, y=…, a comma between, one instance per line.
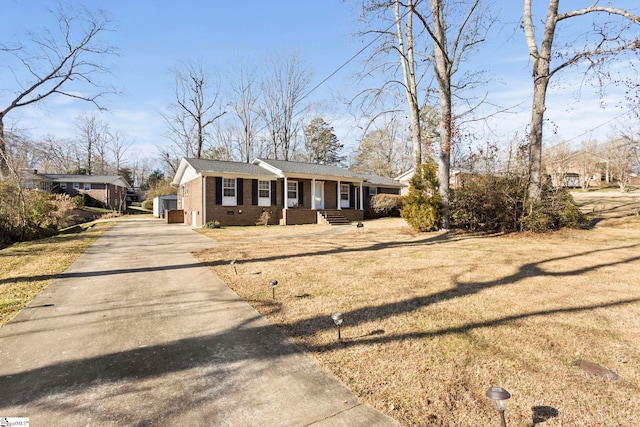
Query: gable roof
x=379, y=181
x=299, y=169
x=93, y=179
x=210, y=167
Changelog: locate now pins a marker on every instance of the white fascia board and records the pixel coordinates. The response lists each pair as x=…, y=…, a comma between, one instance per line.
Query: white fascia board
x=177, y=179
x=268, y=167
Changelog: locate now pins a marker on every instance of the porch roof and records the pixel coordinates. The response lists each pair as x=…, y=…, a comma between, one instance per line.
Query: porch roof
x=284, y=168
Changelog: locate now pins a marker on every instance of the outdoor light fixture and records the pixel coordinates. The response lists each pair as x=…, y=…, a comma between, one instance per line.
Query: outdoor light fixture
x=233, y=263
x=337, y=319
x=273, y=284
x=499, y=397
x=360, y=225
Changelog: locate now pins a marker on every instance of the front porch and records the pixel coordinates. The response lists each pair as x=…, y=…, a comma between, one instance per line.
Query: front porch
x=298, y=216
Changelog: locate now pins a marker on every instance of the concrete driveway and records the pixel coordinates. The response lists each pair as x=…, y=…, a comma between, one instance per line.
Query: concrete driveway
x=136, y=332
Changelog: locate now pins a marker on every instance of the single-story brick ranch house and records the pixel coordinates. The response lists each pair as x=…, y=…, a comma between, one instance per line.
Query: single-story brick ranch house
x=109, y=190
x=235, y=193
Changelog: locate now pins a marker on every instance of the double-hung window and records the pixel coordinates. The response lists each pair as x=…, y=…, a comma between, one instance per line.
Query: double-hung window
x=87, y=186
x=229, y=192
x=292, y=193
x=264, y=193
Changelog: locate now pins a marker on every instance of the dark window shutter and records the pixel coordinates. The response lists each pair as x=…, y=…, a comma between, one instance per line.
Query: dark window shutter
x=300, y=193
x=218, y=190
x=366, y=193
x=254, y=192
x=239, y=188
x=352, y=196
x=274, y=199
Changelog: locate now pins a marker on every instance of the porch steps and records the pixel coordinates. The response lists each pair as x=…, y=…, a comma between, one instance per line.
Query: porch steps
x=335, y=218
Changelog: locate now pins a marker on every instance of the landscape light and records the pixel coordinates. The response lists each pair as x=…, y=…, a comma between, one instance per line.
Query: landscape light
x=273, y=284
x=233, y=263
x=360, y=226
x=499, y=397
x=337, y=319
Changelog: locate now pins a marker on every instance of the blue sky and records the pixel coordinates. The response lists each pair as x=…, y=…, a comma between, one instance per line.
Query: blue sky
x=152, y=36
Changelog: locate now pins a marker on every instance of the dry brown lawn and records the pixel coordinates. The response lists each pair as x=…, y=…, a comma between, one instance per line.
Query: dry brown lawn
x=27, y=268
x=432, y=320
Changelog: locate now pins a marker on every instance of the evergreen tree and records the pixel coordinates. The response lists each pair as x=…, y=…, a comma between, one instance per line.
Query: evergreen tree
x=321, y=143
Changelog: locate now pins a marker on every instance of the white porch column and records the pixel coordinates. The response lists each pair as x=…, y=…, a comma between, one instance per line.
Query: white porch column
x=313, y=194
x=338, y=198
x=286, y=194
x=361, y=196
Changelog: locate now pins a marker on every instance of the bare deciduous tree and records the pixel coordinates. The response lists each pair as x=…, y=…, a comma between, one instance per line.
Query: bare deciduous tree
x=456, y=27
x=283, y=91
x=93, y=136
x=246, y=93
x=608, y=39
x=61, y=60
x=195, y=108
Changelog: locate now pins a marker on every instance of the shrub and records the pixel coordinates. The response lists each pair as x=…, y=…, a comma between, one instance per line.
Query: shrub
x=556, y=209
x=386, y=204
x=147, y=205
x=212, y=224
x=264, y=218
x=488, y=204
x=422, y=207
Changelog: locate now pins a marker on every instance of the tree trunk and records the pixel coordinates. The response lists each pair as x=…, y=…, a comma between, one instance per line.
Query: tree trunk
x=443, y=76
x=408, y=72
x=4, y=167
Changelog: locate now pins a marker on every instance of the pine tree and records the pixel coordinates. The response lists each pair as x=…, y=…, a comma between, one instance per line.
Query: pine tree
x=321, y=143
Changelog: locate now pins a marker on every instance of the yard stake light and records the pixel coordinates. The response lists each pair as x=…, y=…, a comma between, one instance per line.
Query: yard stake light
x=360, y=226
x=273, y=284
x=499, y=397
x=337, y=319
x=233, y=263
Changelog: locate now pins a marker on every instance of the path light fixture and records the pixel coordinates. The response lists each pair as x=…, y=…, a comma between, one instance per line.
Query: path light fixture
x=499, y=397
x=274, y=285
x=360, y=226
x=337, y=319
x=233, y=263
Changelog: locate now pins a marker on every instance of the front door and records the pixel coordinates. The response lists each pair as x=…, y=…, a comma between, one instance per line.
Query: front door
x=319, y=196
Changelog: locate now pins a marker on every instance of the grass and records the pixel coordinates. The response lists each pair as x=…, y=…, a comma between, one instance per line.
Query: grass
x=432, y=320
x=27, y=268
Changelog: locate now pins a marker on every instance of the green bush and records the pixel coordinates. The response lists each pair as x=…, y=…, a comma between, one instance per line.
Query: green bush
x=488, y=203
x=212, y=224
x=147, y=205
x=556, y=209
x=498, y=204
x=422, y=207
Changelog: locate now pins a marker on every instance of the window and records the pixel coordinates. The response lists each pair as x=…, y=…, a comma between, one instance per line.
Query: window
x=292, y=193
x=76, y=185
x=87, y=186
x=63, y=185
x=264, y=193
x=229, y=192
x=373, y=191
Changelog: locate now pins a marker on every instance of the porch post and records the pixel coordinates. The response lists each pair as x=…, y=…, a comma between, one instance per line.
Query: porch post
x=313, y=194
x=361, y=196
x=339, y=201
x=285, y=196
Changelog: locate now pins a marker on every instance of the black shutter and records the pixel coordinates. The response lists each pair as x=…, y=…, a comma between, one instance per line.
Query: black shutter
x=254, y=192
x=218, y=190
x=352, y=196
x=239, y=188
x=274, y=195
x=366, y=193
x=300, y=193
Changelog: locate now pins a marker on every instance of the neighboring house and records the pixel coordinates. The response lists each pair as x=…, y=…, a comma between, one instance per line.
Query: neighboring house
x=234, y=193
x=109, y=190
x=456, y=179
